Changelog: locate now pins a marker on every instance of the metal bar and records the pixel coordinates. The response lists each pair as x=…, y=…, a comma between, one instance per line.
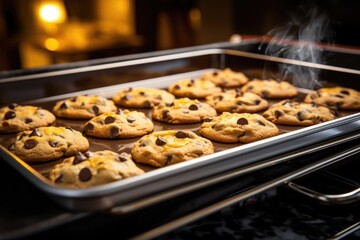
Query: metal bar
x=246, y=194
x=347, y=231
x=343, y=198
x=223, y=177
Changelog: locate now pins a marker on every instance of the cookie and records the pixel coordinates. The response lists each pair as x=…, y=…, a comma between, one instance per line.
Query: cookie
x=142, y=97
x=238, y=127
x=270, y=88
x=48, y=143
x=183, y=110
x=193, y=88
x=123, y=124
x=340, y=97
x=16, y=118
x=93, y=168
x=83, y=107
x=169, y=147
x=297, y=113
x=226, y=78
x=237, y=102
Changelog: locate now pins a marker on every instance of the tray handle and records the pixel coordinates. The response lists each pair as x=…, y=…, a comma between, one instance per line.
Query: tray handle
x=343, y=198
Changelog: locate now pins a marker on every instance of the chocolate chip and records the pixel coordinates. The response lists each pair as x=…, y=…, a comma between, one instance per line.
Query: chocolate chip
x=265, y=93
x=109, y=119
x=53, y=143
x=114, y=132
x=126, y=97
x=59, y=179
x=85, y=174
x=35, y=132
x=339, y=96
x=30, y=143
x=129, y=89
x=208, y=119
x=168, y=160
x=147, y=104
x=215, y=73
x=13, y=105
x=257, y=101
x=193, y=107
x=143, y=94
x=130, y=119
x=181, y=134
x=122, y=159
x=346, y=92
x=28, y=120
x=165, y=114
x=242, y=121
x=169, y=104
x=142, y=144
x=278, y=113
x=63, y=106
x=300, y=115
x=79, y=157
x=89, y=127
x=9, y=115
x=220, y=97
x=160, y=141
x=73, y=99
x=261, y=123
x=177, y=86
x=96, y=109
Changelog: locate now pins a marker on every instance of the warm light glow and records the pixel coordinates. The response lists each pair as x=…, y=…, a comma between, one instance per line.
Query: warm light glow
x=52, y=44
x=52, y=12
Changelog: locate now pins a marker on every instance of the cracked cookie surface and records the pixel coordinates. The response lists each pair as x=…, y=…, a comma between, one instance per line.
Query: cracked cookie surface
x=83, y=107
x=16, y=118
x=238, y=127
x=169, y=147
x=48, y=143
x=93, y=168
x=298, y=113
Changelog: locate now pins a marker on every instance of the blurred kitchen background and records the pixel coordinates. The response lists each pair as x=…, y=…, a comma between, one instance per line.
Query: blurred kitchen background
x=36, y=33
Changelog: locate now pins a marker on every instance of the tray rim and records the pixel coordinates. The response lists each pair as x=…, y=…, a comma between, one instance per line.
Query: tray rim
x=205, y=161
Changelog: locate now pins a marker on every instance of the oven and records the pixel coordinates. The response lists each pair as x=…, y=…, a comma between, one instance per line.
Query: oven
x=301, y=183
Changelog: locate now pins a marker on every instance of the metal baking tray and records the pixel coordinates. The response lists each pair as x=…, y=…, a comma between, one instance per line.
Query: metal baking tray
x=160, y=71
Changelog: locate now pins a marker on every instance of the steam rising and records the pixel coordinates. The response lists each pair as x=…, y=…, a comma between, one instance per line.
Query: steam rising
x=313, y=28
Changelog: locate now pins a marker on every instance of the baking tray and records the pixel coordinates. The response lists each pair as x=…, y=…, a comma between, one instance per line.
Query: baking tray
x=160, y=184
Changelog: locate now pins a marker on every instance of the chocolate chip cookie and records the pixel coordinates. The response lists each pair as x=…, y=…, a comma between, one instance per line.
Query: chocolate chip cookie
x=168, y=147
x=93, y=168
x=183, y=110
x=270, y=88
x=142, y=97
x=238, y=127
x=237, y=102
x=16, y=118
x=193, y=88
x=122, y=124
x=340, y=97
x=297, y=113
x=83, y=107
x=226, y=78
x=48, y=143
